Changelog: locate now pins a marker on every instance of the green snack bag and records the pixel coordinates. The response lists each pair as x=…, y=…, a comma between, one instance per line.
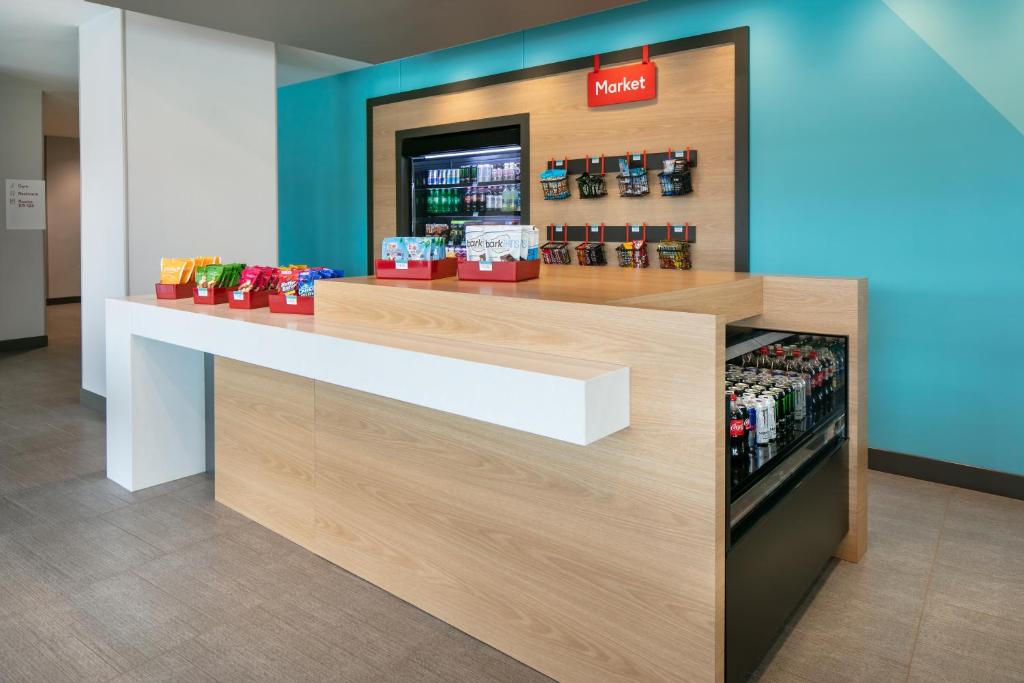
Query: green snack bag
x=200, y=276
x=214, y=275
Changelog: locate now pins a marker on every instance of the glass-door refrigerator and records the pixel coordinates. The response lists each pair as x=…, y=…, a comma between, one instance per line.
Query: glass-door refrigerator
x=453, y=189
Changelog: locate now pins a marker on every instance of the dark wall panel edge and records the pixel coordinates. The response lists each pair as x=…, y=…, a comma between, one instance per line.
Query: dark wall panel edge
x=949, y=473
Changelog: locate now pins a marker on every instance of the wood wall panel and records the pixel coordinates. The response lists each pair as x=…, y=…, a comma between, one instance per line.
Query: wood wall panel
x=695, y=107
x=264, y=440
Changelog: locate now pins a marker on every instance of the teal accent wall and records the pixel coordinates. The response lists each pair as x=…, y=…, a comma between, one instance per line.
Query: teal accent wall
x=871, y=155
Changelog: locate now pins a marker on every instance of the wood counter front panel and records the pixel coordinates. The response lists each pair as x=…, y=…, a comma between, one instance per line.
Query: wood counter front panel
x=264, y=441
x=695, y=106
x=596, y=563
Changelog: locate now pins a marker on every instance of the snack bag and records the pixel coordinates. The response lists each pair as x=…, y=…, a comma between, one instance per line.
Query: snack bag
x=174, y=271
x=287, y=281
x=211, y=275
x=306, y=280
x=393, y=249
x=417, y=248
x=251, y=279
x=531, y=241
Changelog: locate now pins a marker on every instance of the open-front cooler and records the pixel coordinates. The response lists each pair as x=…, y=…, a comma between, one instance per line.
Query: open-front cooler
x=786, y=411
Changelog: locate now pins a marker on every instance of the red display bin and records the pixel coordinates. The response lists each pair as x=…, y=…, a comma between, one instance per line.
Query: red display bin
x=499, y=271
x=174, y=291
x=212, y=295
x=288, y=303
x=248, y=299
x=416, y=270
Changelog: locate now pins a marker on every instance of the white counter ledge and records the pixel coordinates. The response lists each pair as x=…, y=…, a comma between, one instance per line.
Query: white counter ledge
x=156, y=412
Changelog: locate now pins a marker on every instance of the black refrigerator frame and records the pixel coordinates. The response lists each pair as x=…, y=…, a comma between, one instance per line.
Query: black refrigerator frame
x=469, y=134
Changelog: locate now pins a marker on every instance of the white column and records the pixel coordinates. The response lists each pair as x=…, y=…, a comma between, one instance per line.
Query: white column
x=102, y=145
x=179, y=157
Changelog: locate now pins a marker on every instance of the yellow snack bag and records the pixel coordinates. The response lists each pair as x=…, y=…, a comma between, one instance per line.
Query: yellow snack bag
x=172, y=270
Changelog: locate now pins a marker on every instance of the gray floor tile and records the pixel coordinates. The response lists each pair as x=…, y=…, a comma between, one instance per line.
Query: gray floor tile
x=984, y=642
x=26, y=581
x=169, y=523
x=167, y=668
x=809, y=656
x=75, y=499
x=259, y=647
x=88, y=550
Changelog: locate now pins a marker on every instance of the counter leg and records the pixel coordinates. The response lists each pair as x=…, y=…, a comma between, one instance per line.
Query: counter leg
x=156, y=407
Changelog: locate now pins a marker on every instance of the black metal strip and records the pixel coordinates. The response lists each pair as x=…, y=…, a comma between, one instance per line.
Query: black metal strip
x=611, y=163
x=617, y=233
x=741, y=138
x=949, y=473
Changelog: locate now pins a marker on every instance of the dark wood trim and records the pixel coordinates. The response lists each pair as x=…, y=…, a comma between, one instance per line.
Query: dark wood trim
x=522, y=121
x=949, y=473
x=24, y=343
x=92, y=400
x=740, y=37
x=57, y=301
x=741, y=140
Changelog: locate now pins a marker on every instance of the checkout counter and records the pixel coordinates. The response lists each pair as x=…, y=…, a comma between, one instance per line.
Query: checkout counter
x=541, y=464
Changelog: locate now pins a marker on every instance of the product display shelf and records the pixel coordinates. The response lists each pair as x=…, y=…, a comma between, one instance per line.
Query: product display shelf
x=212, y=295
x=289, y=303
x=484, y=183
x=499, y=271
x=247, y=300
x=183, y=291
x=415, y=270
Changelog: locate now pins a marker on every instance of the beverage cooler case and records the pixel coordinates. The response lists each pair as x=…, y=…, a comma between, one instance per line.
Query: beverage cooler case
x=786, y=445
x=450, y=190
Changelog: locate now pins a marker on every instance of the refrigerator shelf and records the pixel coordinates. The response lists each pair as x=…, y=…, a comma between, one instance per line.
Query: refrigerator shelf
x=487, y=183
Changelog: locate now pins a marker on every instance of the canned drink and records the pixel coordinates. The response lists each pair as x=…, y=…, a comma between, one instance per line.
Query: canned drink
x=752, y=419
x=770, y=417
x=761, y=417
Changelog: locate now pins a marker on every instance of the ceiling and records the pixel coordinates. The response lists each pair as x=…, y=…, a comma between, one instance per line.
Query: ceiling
x=315, y=38
x=39, y=40
x=369, y=30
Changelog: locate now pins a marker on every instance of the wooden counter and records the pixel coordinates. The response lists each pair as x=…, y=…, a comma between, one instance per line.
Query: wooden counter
x=602, y=562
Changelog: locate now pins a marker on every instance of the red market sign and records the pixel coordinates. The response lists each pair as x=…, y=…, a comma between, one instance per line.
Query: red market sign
x=630, y=83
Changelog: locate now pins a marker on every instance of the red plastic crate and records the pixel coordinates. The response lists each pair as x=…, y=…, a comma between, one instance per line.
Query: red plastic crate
x=212, y=295
x=416, y=270
x=499, y=271
x=248, y=299
x=174, y=291
x=288, y=303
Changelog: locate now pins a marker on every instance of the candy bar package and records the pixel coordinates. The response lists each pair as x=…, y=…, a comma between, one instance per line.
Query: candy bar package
x=476, y=249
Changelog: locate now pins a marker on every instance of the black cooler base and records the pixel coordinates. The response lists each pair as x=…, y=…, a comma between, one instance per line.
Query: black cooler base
x=771, y=567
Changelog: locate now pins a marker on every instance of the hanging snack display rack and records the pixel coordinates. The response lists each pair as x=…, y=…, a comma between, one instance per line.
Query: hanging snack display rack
x=592, y=186
x=556, y=253
x=632, y=179
x=633, y=253
x=555, y=180
x=676, y=178
x=674, y=254
x=591, y=253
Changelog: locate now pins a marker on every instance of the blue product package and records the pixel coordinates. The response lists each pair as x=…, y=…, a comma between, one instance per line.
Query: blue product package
x=393, y=249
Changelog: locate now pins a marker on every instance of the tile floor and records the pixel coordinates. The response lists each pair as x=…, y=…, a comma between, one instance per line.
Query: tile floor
x=99, y=584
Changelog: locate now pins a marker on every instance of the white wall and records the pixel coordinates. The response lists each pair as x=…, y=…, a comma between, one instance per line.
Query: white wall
x=22, y=269
x=60, y=114
x=101, y=128
x=178, y=127
x=202, y=146
x=63, y=218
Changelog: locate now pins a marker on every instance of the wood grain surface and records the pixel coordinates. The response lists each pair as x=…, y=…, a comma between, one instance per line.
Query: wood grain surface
x=695, y=107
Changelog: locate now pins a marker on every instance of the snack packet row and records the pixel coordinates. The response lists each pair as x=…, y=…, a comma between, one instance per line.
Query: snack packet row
x=180, y=271
x=430, y=248
x=502, y=243
x=299, y=281
x=219, y=275
x=258, y=279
